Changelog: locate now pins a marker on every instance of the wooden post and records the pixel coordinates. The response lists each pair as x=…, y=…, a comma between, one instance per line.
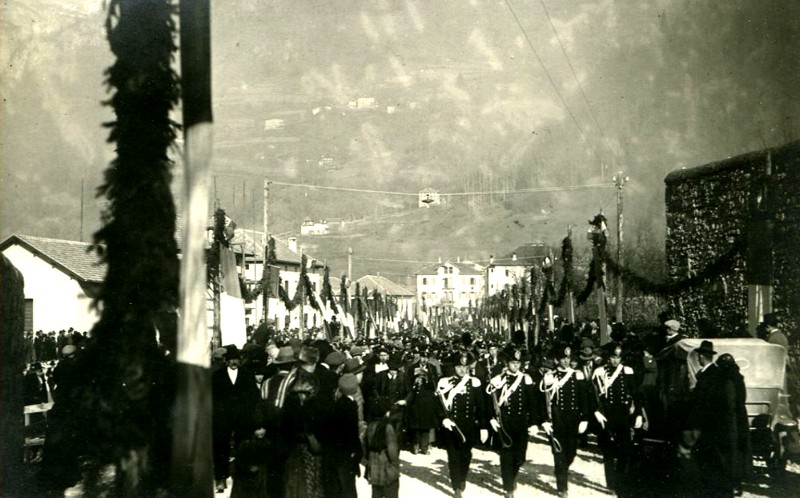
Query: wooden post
x=265, y=276
x=349, y=263
x=302, y=290
x=601, y=296
x=191, y=466
x=619, y=181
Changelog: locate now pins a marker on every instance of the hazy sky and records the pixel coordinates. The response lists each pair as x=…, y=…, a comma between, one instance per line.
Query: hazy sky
x=479, y=89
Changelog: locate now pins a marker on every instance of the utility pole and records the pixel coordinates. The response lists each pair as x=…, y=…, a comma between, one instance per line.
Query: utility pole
x=349, y=263
x=265, y=244
x=81, y=234
x=302, y=289
x=570, y=298
x=619, y=181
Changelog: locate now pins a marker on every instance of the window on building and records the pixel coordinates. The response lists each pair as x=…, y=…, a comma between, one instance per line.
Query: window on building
x=446, y=283
x=286, y=286
x=424, y=281
x=472, y=281
x=507, y=274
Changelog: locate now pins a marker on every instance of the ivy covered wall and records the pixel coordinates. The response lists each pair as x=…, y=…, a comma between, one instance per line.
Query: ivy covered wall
x=747, y=208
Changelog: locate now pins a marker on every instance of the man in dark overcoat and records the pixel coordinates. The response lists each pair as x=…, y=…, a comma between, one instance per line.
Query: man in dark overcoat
x=462, y=410
x=234, y=397
x=712, y=425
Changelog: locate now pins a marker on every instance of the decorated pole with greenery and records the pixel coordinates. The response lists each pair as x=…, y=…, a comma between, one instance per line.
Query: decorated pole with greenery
x=125, y=399
x=598, y=235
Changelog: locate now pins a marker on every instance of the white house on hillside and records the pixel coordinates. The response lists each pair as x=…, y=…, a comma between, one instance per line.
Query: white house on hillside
x=311, y=227
x=428, y=197
x=61, y=278
x=450, y=284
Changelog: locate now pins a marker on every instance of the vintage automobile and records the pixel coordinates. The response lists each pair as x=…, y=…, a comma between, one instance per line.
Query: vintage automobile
x=773, y=430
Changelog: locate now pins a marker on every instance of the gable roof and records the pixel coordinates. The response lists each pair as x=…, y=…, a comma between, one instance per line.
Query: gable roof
x=249, y=241
x=463, y=268
x=385, y=286
x=526, y=255
x=69, y=256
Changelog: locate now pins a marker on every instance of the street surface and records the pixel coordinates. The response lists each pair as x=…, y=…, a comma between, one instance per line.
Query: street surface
x=425, y=476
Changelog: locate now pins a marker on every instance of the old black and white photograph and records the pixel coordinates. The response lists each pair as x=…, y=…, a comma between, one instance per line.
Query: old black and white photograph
x=400, y=248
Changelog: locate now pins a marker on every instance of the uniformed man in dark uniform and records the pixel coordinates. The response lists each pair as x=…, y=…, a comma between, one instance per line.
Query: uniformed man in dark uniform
x=462, y=410
x=616, y=412
x=516, y=413
x=567, y=392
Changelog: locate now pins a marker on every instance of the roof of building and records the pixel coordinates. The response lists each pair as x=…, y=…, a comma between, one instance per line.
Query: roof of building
x=385, y=286
x=787, y=153
x=463, y=268
x=249, y=241
x=71, y=257
x=525, y=255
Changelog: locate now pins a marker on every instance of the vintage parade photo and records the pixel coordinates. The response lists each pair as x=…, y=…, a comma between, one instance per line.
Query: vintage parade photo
x=400, y=248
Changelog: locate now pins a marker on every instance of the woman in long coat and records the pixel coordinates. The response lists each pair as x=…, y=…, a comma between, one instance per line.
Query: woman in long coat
x=302, y=416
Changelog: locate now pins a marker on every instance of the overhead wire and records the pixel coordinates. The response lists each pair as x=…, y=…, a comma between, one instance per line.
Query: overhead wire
x=575, y=76
x=552, y=81
x=448, y=194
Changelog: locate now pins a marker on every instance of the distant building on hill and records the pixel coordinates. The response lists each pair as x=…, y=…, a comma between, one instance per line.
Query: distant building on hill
x=428, y=197
x=310, y=227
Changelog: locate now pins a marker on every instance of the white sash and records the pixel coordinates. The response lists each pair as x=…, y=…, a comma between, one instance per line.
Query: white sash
x=509, y=390
x=451, y=393
x=606, y=381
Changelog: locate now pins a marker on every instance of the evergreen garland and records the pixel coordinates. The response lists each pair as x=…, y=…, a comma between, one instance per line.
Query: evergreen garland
x=711, y=272
x=327, y=292
x=123, y=406
x=343, y=298
x=567, y=253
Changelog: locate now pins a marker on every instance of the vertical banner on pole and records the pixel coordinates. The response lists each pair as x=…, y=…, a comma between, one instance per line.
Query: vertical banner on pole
x=191, y=467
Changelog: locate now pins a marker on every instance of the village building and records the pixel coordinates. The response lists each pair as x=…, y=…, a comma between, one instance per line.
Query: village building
x=450, y=284
x=311, y=227
x=404, y=299
x=513, y=267
x=428, y=197
x=61, y=279
x=250, y=258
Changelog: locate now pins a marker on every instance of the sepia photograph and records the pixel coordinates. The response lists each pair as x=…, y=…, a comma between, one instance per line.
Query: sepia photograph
x=400, y=248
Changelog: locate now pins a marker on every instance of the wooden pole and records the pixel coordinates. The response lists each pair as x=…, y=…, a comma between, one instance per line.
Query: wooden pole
x=619, y=181
x=349, y=263
x=302, y=289
x=601, y=296
x=265, y=244
x=191, y=467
